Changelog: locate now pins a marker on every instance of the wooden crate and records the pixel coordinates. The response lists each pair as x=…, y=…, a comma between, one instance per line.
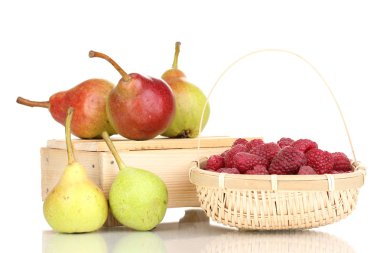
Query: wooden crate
x=168, y=158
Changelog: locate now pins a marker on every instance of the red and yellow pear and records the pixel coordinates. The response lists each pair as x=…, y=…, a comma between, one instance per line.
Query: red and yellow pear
x=88, y=99
x=190, y=102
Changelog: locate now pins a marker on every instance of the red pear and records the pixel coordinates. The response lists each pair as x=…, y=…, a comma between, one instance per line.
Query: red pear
x=139, y=107
x=89, y=102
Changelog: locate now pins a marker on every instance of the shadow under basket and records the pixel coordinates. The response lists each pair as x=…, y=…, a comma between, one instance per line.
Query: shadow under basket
x=276, y=202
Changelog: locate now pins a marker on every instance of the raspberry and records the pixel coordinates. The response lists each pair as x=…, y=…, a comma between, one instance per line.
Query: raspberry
x=283, y=142
x=224, y=153
x=240, y=141
x=337, y=172
x=244, y=161
x=258, y=170
x=228, y=170
x=287, y=161
x=254, y=143
x=341, y=162
x=215, y=162
x=321, y=161
x=304, y=145
x=306, y=170
x=229, y=155
x=267, y=150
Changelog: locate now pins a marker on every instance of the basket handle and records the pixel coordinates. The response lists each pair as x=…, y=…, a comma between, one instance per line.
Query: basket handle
x=289, y=53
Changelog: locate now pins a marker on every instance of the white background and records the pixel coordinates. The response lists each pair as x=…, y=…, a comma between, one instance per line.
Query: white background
x=44, y=47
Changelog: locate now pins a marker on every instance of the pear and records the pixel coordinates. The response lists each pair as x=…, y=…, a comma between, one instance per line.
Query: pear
x=190, y=102
x=89, y=101
x=76, y=204
x=140, y=107
x=138, y=198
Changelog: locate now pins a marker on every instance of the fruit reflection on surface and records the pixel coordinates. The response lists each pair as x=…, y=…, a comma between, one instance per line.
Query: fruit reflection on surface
x=190, y=102
x=76, y=204
x=140, y=242
x=292, y=241
x=89, y=102
x=139, y=107
x=74, y=243
x=193, y=233
x=138, y=198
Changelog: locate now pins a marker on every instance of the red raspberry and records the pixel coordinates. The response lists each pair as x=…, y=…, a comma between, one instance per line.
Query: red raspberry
x=267, y=150
x=254, y=143
x=287, y=161
x=229, y=155
x=244, y=161
x=337, y=172
x=321, y=161
x=228, y=170
x=304, y=145
x=259, y=167
x=224, y=153
x=283, y=142
x=258, y=170
x=240, y=141
x=215, y=162
x=306, y=170
x=341, y=162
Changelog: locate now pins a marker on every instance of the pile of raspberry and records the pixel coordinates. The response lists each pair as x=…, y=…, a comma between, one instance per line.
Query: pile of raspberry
x=284, y=157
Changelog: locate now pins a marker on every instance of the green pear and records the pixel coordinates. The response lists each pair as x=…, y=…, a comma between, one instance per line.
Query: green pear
x=190, y=103
x=138, y=198
x=75, y=204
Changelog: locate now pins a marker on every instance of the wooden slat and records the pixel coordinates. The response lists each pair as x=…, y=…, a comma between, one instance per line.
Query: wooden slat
x=153, y=144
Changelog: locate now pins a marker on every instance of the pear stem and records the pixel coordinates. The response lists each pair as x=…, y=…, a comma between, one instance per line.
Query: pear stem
x=176, y=53
x=114, y=152
x=123, y=74
x=23, y=101
x=69, y=144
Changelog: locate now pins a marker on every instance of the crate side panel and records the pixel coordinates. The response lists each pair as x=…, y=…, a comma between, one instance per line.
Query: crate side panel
x=171, y=165
x=54, y=161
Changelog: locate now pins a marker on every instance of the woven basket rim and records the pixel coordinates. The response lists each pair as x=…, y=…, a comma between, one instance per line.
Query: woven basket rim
x=325, y=182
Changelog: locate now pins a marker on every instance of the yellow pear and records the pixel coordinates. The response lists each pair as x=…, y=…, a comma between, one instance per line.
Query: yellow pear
x=76, y=204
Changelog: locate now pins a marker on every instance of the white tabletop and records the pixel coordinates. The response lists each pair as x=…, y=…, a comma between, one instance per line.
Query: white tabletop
x=195, y=233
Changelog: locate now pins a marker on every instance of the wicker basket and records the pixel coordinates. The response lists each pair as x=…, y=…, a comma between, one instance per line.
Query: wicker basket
x=274, y=202
x=277, y=202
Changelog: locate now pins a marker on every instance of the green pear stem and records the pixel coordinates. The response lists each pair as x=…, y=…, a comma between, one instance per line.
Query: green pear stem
x=114, y=152
x=176, y=53
x=23, y=101
x=123, y=74
x=69, y=144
